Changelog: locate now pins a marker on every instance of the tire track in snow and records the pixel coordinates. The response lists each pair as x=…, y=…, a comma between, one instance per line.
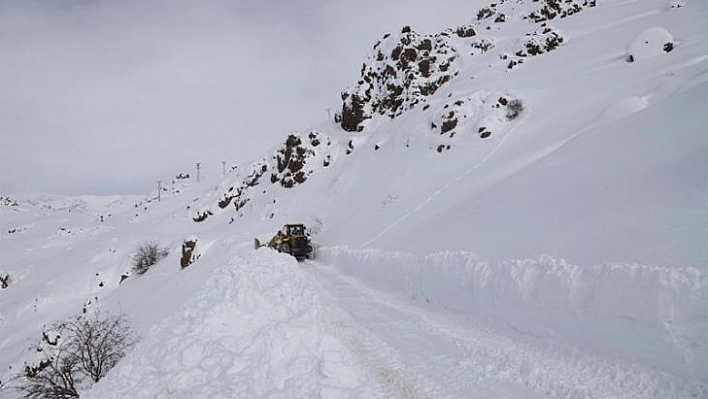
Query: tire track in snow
x=446, y=355
x=382, y=361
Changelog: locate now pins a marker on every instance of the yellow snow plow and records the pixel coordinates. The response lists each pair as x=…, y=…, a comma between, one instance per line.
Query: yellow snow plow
x=292, y=239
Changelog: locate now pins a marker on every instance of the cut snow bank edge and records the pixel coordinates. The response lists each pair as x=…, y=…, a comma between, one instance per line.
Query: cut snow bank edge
x=652, y=315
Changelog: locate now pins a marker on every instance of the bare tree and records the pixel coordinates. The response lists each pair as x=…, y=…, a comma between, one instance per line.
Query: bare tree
x=51, y=378
x=99, y=343
x=81, y=350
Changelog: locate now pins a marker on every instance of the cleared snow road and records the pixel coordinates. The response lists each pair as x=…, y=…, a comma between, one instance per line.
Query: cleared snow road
x=414, y=350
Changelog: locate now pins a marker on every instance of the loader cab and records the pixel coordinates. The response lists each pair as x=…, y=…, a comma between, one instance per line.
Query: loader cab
x=294, y=230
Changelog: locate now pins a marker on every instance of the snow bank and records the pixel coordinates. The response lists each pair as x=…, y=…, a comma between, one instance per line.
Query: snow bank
x=252, y=331
x=652, y=315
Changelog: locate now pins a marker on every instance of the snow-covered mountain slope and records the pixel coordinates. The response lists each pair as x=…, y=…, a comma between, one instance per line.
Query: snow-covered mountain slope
x=509, y=208
x=600, y=140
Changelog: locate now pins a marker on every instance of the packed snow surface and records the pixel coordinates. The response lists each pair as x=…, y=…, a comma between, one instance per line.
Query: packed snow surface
x=464, y=247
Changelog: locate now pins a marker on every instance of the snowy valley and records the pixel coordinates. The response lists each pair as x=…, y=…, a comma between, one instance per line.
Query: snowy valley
x=513, y=208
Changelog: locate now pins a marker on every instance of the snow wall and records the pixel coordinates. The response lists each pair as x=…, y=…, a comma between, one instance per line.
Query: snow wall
x=655, y=315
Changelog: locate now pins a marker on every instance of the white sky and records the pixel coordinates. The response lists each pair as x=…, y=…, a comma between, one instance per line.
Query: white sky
x=104, y=97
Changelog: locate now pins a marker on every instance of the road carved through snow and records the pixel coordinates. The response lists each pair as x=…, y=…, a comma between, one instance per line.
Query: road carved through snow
x=417, y=351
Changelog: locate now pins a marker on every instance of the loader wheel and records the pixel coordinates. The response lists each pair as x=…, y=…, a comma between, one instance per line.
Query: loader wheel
x=285, y=248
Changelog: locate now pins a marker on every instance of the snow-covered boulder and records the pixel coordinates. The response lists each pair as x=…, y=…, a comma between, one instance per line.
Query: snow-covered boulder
x=479, y=114
x=649, y=43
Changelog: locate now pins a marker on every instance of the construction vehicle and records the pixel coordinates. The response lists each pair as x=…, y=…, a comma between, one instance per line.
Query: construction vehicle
x=293, y=239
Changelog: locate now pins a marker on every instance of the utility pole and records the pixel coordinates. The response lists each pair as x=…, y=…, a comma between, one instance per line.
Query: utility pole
x=159, y=190
x=198, y=165
x=223, y=168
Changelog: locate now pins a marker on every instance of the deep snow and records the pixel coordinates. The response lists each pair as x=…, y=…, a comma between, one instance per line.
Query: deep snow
x=564, y=255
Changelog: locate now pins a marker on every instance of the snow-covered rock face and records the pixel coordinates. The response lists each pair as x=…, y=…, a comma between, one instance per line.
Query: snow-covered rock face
x=402, y=71
x=298, y=159
x=552, y=9
x=407, y=68
x=291, y=165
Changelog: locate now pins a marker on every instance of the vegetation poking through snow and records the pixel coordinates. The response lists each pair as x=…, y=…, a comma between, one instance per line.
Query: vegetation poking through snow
x=147, y=256
x=75, y=354
x=514, y=107
x=5, y=280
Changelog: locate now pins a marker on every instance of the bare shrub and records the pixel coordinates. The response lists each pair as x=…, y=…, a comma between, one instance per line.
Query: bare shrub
x=147, y=256
x=5, y=280
x=76, y=354
x=484, y=13
x=514, y=108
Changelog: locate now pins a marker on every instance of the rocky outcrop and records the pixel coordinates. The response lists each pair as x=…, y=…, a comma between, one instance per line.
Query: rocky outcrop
x=405, y=69
x=7, y=201
x=551, y=9
x=291, y=159
x=535, y=43
x=291, y=165
x=189, y=252
x=401, y=71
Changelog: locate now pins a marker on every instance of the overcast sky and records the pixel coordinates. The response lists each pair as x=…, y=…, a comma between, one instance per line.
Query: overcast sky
x=107, y=97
